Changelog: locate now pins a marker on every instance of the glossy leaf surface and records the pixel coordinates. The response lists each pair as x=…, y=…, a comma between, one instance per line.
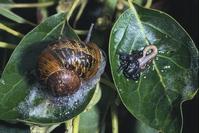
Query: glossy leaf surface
x=143, y=128
x=21, y=96
x=171, y=78
x=89, y=121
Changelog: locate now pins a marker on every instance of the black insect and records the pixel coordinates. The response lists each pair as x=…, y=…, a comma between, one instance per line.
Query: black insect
x=130, y=65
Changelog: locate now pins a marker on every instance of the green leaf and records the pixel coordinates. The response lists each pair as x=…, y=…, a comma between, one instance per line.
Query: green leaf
x=14, y=17
x=156, y=97
x=89, y=121
x=110, y=6
x=20, y=95
x=7, y=1
x=143, y=128
x=139, y=2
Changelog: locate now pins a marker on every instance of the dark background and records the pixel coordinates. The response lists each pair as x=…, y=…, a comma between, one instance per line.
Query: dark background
x=186, y=12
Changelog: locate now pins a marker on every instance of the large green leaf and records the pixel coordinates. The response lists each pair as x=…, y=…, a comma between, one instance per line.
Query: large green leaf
x=156, y=97
x=20, y=95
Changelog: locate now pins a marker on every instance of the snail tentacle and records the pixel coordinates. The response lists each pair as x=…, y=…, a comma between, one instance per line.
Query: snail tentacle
x=89, y=33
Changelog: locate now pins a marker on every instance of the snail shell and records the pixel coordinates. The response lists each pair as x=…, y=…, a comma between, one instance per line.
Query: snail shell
x=63, y=66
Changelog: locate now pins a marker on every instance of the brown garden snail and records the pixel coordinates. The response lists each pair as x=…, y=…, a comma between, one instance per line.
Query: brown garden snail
x=64, y=65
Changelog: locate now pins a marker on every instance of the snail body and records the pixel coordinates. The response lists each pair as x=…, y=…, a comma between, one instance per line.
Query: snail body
x=63, y=66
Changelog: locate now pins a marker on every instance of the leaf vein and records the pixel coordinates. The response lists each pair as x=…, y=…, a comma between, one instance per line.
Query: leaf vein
x=10, y=90
x=118, y=45
x=171, y=60
x=134, y=41
x=62, y=22
x=162, y=82
x=159, y=30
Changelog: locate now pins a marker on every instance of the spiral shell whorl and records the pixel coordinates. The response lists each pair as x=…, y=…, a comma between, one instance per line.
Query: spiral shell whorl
x=63, y=82
x=63, y=65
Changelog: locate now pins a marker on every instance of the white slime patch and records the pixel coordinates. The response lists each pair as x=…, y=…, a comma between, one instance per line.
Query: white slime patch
x=42, y=104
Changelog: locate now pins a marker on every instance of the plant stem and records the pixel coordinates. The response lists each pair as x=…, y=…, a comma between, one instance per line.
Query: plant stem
x=44, y=129
x=37, y=129
x=83, y=5
x=72, y=125
x=125, y=2
x=103, y=119
x=52, y=127
x=7, y=45
x=80, y=32
x=68, y=15
x=148, y=3
x=114, y=119
x=42, y=12
x=69, y=126
x=75, y=3
x=27, y=5
x=76, y=124
x=11, y=31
